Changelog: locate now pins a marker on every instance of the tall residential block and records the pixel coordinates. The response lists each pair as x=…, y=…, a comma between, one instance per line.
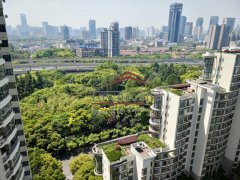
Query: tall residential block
x=92, y=29
x=218, y=36
x=24, y=26
x=213, y=36
x=193, y=129
x=213, y=20
x=188, y=29
x=104, y=41
x=198, y=30
x=14, y=163
x=128, y=32
x=175, y=13
x=65, y=33
x=182, y=25
x=113, y=40
x=229, y=22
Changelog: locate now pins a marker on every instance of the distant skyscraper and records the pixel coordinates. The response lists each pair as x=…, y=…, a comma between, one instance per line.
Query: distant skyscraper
x=214, y=20
x=44, y=27
x=218, y=36
x=135, y=32
x=229, y=22
x=92, y=29
x=174, y=21
x=198, y=30
x=113, y=40
x=65, y=32
x=224, y=36
x=182, y=24
x=165, y=29
x=128, y=32
x=104, y=41
x=23, y=19
x=188, y=29
x=213, y=36
x=24, y=26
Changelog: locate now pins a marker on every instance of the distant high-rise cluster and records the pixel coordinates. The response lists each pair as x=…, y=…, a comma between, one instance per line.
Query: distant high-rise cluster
x=219, y=35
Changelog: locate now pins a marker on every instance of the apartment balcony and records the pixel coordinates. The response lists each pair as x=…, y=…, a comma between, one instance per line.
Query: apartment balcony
x=16, y=165
x=154, y=108
x=155, y=116
x=11, y=134
x=155, y=122
x=154, y=130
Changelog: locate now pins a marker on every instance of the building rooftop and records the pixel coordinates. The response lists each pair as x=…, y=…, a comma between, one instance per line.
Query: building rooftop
x=143, y=143
x=143, y=150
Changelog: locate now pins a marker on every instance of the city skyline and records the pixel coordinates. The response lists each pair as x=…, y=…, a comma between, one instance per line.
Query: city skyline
x=127, y=13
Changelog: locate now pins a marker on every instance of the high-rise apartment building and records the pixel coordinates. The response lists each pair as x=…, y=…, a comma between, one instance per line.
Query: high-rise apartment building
x=14, y=163
x=214, y=20
x=229, y=22
x=175, y=13
x=182, y=25
x=24, y=26
x=92, y=29
x=110, y=40
x=188, y=29
x=194, y=127
x=224, y=36
x=44, y=27
x=65, y=33
x=198, y=30
x=213, y=36
x=128, y=32
x=218, y=36
x=113, y=40
x=104, y=41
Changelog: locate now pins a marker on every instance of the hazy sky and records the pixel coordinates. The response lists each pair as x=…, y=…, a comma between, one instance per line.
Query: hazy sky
x=143, y=13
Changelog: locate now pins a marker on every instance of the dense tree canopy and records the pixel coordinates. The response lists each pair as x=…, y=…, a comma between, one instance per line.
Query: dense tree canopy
x=44, y=166
x=53, y=53
x=82, y=168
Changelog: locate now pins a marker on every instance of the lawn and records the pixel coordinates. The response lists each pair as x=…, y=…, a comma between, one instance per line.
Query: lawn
x=150, y=141
x=113, y=151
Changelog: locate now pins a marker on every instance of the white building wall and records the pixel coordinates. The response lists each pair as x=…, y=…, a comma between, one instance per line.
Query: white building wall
x=172, y=119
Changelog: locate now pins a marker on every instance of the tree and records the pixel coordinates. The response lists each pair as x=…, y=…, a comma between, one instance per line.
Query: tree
x=82, y=168
x=44, y=166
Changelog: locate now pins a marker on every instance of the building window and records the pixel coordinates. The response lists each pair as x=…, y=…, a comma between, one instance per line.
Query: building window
x=2, y=28
x=18, y=121
x=9, y=72
x=7, y=57
x=197, y=126
x=16, y=109
x=25, y=163
x=26, y=173
x=14, y=97
x=4, y=43
x=20, y=133
x=24, y=153
x=22, y=143
x=12, y=85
